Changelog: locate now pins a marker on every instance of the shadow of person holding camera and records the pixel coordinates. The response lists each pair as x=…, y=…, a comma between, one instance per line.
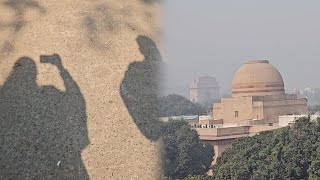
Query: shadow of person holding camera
x=43, y=130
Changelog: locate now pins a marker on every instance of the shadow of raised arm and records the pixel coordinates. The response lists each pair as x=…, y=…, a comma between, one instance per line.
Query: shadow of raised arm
x=70, y=85
x=72, y=98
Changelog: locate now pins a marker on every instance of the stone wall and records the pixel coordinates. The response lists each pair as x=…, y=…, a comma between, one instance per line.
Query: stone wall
x=241, y=109
x=228, y=107
x=273, y=109
x=221, y=132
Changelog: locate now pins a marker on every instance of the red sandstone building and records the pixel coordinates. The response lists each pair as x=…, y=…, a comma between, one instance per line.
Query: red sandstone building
x=258, y=99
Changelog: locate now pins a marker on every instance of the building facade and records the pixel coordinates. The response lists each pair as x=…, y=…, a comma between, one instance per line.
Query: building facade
x=258, y=95
x=204, y=89
x=258, y=99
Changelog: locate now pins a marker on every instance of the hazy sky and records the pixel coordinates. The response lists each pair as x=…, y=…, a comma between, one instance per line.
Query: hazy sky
x=211, y=37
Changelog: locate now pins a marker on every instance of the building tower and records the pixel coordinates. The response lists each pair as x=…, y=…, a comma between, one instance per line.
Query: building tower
x=204, y=89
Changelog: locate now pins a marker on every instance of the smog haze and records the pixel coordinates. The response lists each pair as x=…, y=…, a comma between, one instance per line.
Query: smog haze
x=215, y=37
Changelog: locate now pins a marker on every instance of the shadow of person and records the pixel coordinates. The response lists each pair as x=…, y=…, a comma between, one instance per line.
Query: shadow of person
x=140, y=89
x=43, y=130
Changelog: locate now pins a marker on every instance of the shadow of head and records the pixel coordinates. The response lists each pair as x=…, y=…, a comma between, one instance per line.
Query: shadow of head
x=25, y=71
x=148, y=48
x=41, y=126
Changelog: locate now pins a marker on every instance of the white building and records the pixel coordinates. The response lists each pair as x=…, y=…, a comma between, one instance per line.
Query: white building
x=290, y=119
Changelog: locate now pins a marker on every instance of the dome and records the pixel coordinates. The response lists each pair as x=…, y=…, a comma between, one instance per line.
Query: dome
x=257, y=78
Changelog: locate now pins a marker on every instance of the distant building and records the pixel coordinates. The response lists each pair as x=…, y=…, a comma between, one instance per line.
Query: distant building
x=258, y=94
x=182, y=117
x=258, y=99
x=204, y=89
x=222, y=136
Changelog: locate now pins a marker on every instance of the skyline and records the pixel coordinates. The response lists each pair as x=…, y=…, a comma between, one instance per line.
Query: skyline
x=215, y=38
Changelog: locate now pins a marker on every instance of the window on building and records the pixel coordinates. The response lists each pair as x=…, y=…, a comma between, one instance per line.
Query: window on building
x=236, y=114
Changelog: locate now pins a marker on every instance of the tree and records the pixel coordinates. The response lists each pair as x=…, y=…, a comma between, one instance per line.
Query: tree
x=197, y=177
x=286, y=153
x=175, y=105
x=184, y=153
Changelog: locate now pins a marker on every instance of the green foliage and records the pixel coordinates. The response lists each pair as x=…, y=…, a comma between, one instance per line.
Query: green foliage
x=197, y=177
x=314, y=170
x=184, y=153
x=175, y=105
x=286, y=153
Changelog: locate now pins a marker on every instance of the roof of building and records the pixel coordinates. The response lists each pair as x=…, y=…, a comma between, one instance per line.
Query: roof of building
x=214, y=138
x=257, y=78
x=182, y=117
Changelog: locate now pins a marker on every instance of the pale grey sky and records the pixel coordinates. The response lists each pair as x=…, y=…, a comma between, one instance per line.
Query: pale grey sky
x=211, y=37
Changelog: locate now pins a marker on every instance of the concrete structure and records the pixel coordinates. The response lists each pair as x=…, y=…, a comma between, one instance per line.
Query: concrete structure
x=288, y=120
x=186, y=118
x=258, y=99
x=51, y=131
x=208, y=120
x=204, y=89
x=222, y=137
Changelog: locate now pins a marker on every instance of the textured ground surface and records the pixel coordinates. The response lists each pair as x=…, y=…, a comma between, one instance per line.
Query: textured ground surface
x=69, y=116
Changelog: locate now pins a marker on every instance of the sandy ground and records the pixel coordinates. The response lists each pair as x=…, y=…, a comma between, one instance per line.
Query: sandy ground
x=96, y=41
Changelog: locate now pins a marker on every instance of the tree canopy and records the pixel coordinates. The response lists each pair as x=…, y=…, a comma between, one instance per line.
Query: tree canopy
x=184, y=153
x=286, y=153
x=176, y=105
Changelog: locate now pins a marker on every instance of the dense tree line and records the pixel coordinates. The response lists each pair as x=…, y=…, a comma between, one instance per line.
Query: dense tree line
x=175, y=105
x=184, y=153
x=286, y=153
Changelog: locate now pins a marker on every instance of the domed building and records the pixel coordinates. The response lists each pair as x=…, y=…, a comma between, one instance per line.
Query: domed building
x=258, y=97
x=257, y=78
